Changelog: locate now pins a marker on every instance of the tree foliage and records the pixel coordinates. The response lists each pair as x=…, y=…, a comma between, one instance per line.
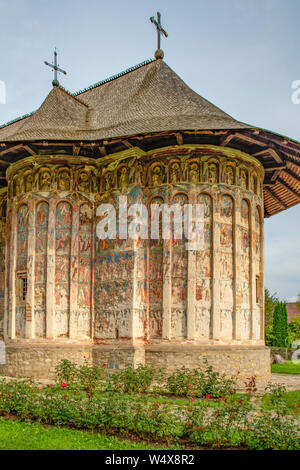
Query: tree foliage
x=294, y=327
x=271, y=300
x=280, y=326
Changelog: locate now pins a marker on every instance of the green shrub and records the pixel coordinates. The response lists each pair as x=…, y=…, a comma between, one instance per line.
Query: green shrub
x=269, y=336
x=232, y=423
x=131, y=380
x=274, y=429
x=91, y=378
x=183, y=382
x=280, y=326
x=199, y=382
x=65, y=371
x=294, y=329
x=84, y=377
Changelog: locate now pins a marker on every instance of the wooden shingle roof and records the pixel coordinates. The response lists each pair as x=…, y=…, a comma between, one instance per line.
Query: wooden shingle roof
x=149, y=105
x=152, y=98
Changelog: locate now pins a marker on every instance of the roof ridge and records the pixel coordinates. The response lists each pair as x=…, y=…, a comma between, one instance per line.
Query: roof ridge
x=91, y=87
x=72, y=95
x=113, y=77
x=24, y=116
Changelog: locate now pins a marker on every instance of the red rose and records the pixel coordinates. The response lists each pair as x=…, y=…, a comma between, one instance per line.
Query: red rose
x=63, y=385
x=104, y=365
x=207, y=396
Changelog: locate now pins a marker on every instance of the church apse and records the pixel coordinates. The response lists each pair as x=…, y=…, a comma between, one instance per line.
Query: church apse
x=145, y=136
x=69, y=285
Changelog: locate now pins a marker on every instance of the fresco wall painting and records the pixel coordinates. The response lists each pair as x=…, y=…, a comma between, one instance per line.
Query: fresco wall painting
x=226, y=266
x=62, y=268
x=41, y=237
x=203, y=304
x=244, y=270
x=179, y=267
x=82, y=320
x=21, y=268
x=117, y=290
x=155, y=279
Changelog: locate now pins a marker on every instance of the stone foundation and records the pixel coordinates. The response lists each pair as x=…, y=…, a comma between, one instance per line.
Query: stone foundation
x=38, y=360
x=240, y=361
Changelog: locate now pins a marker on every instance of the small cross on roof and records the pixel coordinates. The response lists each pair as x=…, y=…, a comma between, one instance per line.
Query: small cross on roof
x=159, y=53
x=56, y=69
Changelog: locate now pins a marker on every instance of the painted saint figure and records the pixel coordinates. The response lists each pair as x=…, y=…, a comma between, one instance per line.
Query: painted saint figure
x=194, y=173
x=156, y=176
x=175, y=173
x=229, y=175
x=64, y=181
x=212, y=173
x=83, y=184
x=45, y=180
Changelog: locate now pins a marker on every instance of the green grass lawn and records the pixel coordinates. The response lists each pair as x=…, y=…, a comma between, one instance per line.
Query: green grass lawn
x=17, y=435
x=287, y=368
x=292, y=400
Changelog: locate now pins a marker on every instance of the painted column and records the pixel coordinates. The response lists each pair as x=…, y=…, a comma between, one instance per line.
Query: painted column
x=12, y=277
x=167, y=284
x=262, y=277
x=7, y=274
x=191, y=285
x=167, y=290
x=191, y=294
x=136, y=297
x=252, y=260
x=215, y=324
x=74, y=274
x=93, y=259
x=50, y=284
x=29, y=312
x=237, y=271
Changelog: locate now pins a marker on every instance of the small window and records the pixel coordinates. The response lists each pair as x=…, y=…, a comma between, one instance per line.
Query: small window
x=24, y=288
x=22, y=285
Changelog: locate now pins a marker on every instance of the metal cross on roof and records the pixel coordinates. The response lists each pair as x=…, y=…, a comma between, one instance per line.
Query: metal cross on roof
x=55, y=69
x=159, y=53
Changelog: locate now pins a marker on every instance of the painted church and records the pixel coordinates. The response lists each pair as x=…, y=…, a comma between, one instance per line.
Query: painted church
x=66, y=294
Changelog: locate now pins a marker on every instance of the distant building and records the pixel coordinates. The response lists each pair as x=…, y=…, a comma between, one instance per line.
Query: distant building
x=293, y=310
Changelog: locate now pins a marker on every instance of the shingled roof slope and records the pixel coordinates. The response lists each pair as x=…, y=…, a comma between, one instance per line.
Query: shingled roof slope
x=151, y=98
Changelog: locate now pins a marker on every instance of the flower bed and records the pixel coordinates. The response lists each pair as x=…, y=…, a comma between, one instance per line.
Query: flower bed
x=183, y=382
x=79, y=401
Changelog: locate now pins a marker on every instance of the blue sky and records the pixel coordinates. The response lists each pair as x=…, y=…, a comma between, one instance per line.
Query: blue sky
x=241, y=55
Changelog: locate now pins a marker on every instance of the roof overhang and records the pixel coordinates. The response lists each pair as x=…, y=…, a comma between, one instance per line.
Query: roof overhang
x=279, y=155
